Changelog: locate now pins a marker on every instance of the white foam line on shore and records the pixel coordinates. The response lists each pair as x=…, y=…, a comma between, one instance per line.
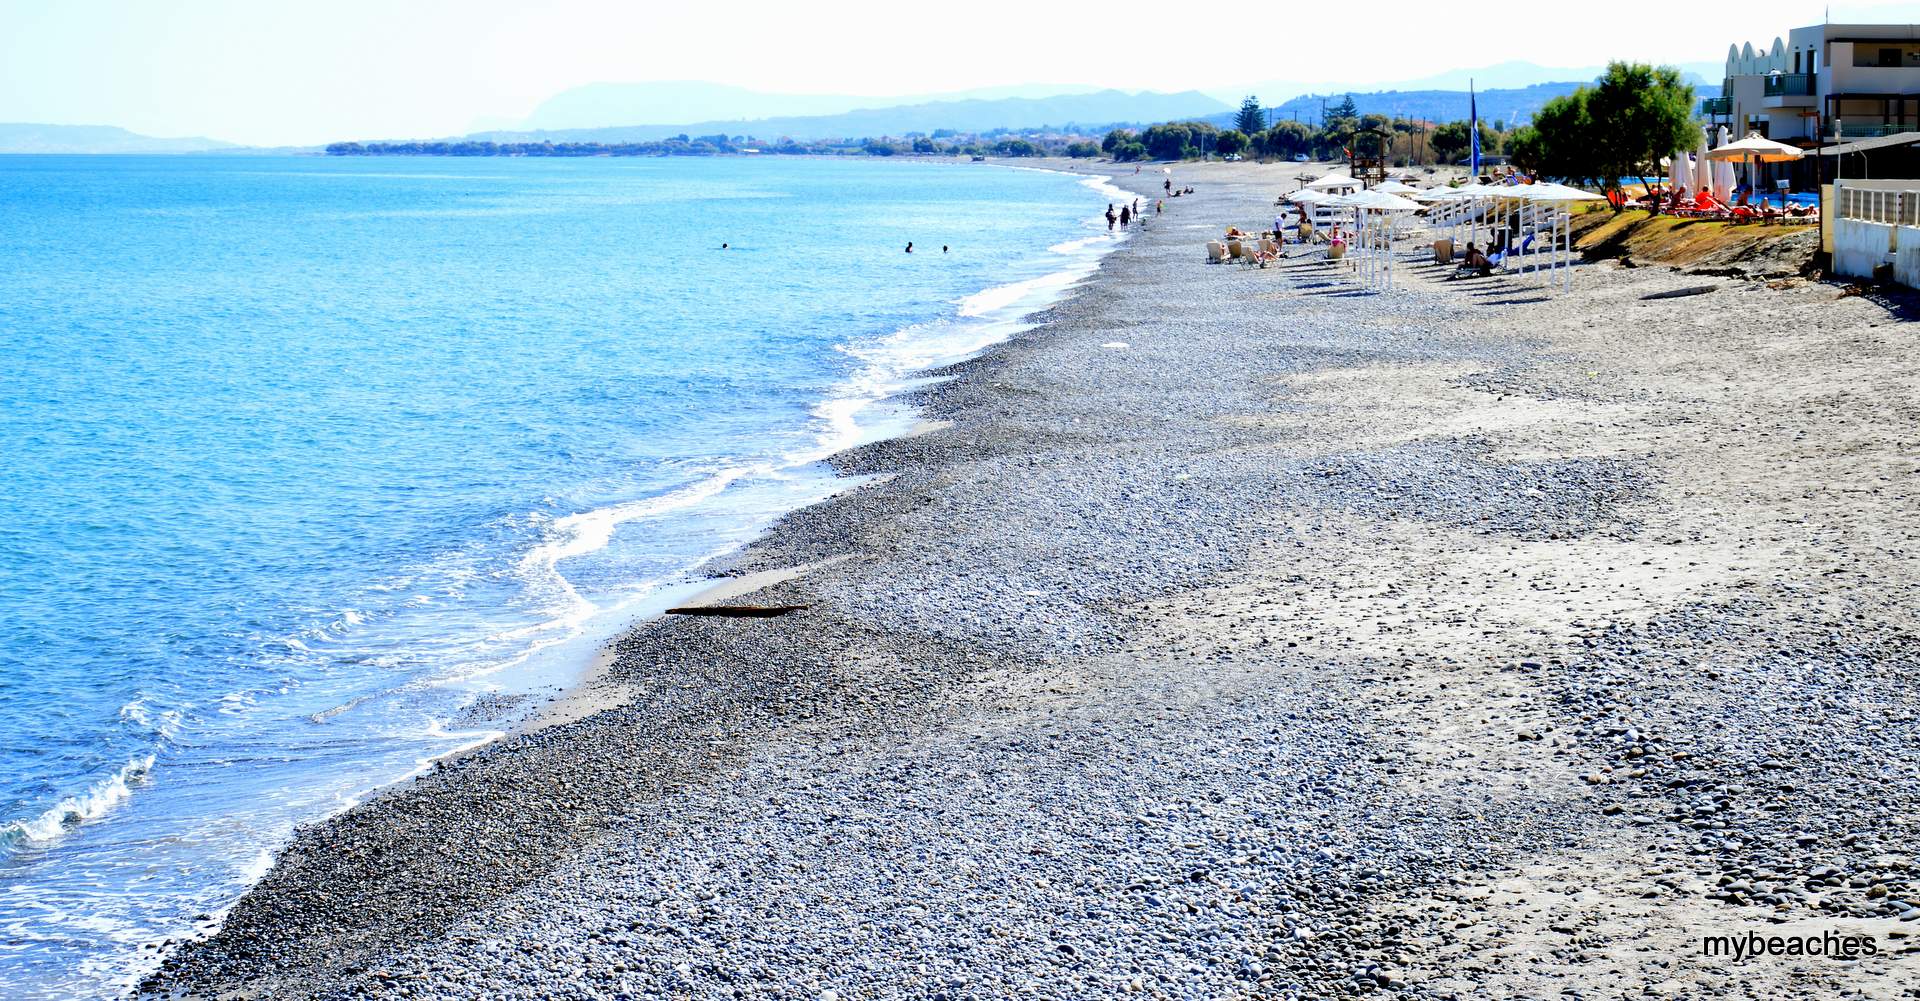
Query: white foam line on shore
x=98, y=801
x=892, y=364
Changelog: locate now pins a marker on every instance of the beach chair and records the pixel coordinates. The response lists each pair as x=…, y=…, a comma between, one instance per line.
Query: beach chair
x=1235, y=249
x=1216, y=252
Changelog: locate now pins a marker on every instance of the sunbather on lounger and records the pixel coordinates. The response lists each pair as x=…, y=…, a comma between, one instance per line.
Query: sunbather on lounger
x=1476, y=262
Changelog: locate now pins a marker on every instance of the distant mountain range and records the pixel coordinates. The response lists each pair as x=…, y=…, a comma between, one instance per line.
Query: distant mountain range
x=1512, y=75
x=1097, y=108
x=1504, y=106
x=690, y=102
x=34, y=138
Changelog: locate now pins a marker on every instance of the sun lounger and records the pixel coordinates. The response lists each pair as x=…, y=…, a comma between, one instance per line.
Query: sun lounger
x=1216, y=252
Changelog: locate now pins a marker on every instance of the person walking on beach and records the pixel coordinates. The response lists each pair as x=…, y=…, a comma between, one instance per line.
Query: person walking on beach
x=1110, y=217
x=1126, y=217
x=1168, y=184
x=1159, y=206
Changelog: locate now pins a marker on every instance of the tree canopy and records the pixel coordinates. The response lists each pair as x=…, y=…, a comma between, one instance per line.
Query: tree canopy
x=1451, y=141
x=1250, y=121
x=1637, y=114
x=1619, y=127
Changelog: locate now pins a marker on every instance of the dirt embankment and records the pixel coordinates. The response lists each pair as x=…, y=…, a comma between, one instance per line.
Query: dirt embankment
x=1696, y=246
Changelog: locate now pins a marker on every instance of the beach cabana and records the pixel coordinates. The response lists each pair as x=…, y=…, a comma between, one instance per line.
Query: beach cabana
x=1375, y=215
x=1557, y=201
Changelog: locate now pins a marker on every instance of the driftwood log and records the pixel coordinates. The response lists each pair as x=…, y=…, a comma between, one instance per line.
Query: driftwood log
x=737, y=611
x=1680, y=293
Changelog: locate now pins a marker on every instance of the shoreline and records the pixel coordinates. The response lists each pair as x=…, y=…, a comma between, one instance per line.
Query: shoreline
x=564, y=688
x=1198, y=665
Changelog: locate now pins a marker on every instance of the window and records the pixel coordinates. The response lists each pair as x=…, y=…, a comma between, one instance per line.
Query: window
x=1881, y=55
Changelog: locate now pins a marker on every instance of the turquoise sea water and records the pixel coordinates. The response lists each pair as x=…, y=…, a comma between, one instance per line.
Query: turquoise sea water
x=301, y=455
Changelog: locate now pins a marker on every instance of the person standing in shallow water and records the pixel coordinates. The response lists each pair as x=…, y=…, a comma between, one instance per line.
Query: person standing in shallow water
x=1126, y=218
x=1110, y=217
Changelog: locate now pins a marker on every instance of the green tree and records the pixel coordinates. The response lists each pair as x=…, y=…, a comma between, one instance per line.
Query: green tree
x=1115, y=139
x=1178, y=140
x=1016, y=147
x=1286, y=139
x=924, y=145
x=1250, y=121
x=1230, y=142
x=1082, y=150
x=1450, y=141
x=1636, y=114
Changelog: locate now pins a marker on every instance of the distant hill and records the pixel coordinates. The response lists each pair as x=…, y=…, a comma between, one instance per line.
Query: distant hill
x=1511, y=75
x=972, y=115
x=686, y=102
x=1509, y=106
x=33, y=138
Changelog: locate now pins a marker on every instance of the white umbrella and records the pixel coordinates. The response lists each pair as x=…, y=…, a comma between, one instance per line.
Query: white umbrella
x=1755, y=150
x=1702, y=167
x=1381, y=201
x=1332, y=182
x=1756, y=147
x=1679, y=172
x=1395, y=188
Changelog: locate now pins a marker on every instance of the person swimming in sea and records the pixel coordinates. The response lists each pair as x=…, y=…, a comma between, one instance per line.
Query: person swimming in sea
x=943, y=248
x=909, y=246
x=723, y=246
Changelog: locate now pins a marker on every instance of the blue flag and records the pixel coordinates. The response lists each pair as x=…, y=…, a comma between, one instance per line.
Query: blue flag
x=1473, y=129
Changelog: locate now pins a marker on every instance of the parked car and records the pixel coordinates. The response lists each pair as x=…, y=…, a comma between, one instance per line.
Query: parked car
x=1299, y=158
x=1234, y=157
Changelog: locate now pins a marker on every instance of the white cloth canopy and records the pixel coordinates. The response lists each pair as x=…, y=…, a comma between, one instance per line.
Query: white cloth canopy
x=1333, y=182
x=1381, y=201
x=1547, y=191
x=1394, y=188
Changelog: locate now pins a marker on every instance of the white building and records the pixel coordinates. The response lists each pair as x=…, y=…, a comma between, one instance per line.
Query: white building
x=1866, y=77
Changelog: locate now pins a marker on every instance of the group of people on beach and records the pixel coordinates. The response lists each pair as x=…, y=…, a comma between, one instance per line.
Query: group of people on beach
x=1130, y=214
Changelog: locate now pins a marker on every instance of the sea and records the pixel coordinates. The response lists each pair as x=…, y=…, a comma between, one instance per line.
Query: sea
x=301, y=458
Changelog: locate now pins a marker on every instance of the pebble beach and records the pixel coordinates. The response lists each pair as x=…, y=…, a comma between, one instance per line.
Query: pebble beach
x=1232, y=633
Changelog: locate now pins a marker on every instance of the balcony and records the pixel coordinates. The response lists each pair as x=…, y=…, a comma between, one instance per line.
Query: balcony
x=1788, y=90
x=1873, y=128
x=1716, y=107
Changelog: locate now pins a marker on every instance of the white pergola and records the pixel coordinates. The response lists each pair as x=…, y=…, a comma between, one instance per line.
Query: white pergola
x=1544, y=208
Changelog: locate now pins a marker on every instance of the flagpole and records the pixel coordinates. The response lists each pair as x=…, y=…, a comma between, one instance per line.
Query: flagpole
x=1473, y=128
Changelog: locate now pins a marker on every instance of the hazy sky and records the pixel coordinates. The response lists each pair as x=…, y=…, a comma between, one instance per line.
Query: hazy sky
x=309, y=71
